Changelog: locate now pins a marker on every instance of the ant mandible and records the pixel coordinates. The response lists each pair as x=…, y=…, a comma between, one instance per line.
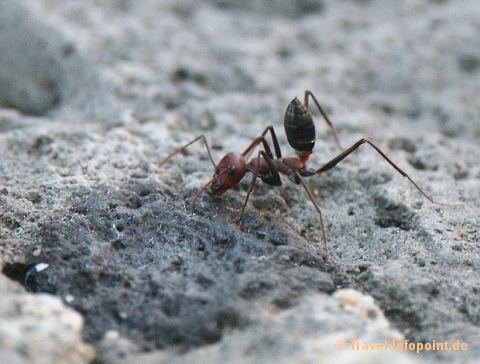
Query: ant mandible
x=300, y=131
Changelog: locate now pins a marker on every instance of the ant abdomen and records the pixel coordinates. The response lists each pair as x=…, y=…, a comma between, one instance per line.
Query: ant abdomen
x=299, y=127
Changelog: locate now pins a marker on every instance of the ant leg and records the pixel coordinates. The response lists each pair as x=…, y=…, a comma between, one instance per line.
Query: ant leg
x=326, y=257
x=199, y=193
x=261, y=139
x=323, y=113
x=257, y=141
x=184, y=148
x=348, y=151
x=276, y=146
x=256, y=172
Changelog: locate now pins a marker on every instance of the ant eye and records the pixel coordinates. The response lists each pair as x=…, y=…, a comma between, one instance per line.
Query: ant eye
x=232, y=170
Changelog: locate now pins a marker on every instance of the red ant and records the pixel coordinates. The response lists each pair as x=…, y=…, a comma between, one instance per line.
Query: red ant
x=300, y=131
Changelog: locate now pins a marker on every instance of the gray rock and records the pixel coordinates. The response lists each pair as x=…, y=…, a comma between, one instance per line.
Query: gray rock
x=81, y=189
x=318, y=327
x=39, y=329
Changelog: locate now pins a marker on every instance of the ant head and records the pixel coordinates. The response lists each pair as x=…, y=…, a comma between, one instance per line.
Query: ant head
x=229, y=171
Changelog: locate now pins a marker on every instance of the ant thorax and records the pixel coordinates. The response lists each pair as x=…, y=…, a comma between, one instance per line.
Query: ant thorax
x=304, y=156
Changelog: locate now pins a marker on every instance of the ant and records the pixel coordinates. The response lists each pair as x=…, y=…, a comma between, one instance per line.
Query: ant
x=300, y=131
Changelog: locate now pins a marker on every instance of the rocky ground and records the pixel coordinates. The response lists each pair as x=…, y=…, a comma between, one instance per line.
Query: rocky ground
x=103, y=258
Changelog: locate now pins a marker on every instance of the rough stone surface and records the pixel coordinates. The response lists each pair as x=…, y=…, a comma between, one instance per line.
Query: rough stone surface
x=94, y=94
x=319, y=321
x=39, y=329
